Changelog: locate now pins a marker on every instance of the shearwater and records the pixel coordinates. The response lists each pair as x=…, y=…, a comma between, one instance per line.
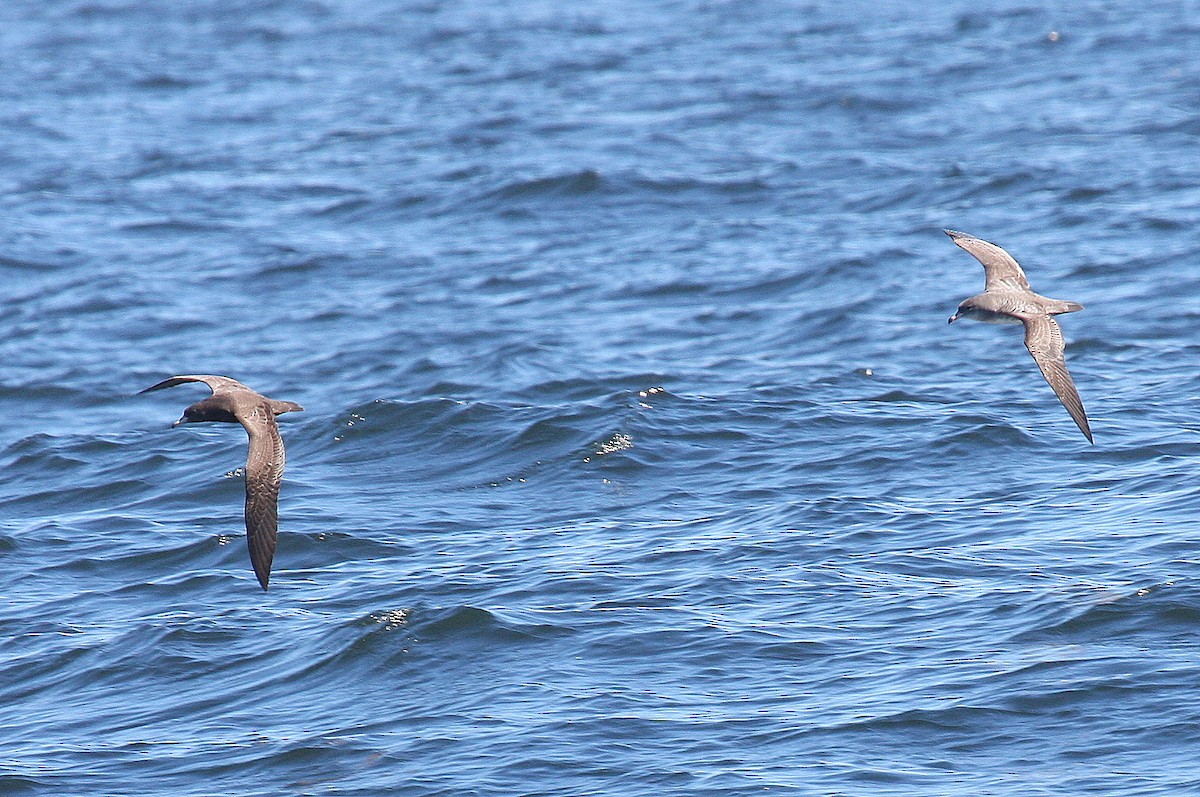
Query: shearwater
x=233, y=402
x=1008, y=299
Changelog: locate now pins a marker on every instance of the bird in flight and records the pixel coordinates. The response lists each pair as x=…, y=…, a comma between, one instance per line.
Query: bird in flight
x=233, y=402
x=1008, y=299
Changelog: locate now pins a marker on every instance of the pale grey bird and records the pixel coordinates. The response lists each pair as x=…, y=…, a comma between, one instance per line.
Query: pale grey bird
x=233, y=402
x=1008, y=299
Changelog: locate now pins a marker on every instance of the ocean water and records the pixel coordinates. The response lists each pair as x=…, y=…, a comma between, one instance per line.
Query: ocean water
x=637, y=455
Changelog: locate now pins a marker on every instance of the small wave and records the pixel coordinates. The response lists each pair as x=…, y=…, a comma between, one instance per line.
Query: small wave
x=669, y=289
x=28, y=265
x=1086, y=193
x=685, y=184
x=457, y=624
x=1163, y=223
x=1164, y=608
x=578, y=183
x=343, y=207
x=867, y=103
x=470, y=443
x=984, y=430
x=363, y=134
x=295, y=268
x=165, y=82
x=20, y=784
x=175, y=225
x=949, y=719
x=591, y=389
x=1001, y=184
x=904, y=397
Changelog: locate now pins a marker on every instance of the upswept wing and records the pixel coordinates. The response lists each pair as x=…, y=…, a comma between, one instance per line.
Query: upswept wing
x=214, y=383
x=999, y=268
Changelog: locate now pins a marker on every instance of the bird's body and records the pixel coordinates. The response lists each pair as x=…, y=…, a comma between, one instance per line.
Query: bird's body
x=1008, y=299
x=233, y=402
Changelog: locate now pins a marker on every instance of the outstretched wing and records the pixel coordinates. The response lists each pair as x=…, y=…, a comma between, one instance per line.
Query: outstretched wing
x=264, y=473
x=999, y=268
x=214, y=383
x=1044, y=339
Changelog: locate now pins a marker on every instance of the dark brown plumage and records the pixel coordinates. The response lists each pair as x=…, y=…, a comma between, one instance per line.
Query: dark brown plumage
x=233, y=402
x=1008, y=299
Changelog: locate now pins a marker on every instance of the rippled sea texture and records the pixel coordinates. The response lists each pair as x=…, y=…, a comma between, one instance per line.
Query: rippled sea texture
x=637, y=457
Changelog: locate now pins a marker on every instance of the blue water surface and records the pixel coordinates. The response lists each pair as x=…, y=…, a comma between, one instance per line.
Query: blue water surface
x=637, y=456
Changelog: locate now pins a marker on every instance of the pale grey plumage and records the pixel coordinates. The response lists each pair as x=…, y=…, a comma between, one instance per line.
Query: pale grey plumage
x=233, y=402
x=1008, y=299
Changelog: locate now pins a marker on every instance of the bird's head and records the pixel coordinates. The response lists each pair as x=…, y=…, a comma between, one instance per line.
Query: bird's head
x=965, y=310
x=211, y=409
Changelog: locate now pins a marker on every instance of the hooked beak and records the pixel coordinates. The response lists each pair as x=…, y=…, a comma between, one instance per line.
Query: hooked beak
x=182, y=420
x=953, y=318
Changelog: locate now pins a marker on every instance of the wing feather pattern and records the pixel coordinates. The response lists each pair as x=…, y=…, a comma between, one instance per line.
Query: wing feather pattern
x=1044, y=339
x=264, y=474
x=999, y=267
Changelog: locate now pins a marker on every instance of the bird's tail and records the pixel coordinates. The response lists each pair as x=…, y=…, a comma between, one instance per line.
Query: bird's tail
x=280, y=407
x=1066, y=307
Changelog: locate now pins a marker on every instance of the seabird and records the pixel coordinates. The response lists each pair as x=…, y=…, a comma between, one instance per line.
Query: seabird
x=233, y=402
x=1008, y=299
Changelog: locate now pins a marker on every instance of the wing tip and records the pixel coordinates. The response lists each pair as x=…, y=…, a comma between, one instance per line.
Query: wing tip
x=261, y=556
x=172, y=381
x=1078, y=415
x=156, y=386
x=262, y=571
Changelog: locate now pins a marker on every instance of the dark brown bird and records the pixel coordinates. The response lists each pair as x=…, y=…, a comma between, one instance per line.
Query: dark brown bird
x=233, y=402
x=1008, y=299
